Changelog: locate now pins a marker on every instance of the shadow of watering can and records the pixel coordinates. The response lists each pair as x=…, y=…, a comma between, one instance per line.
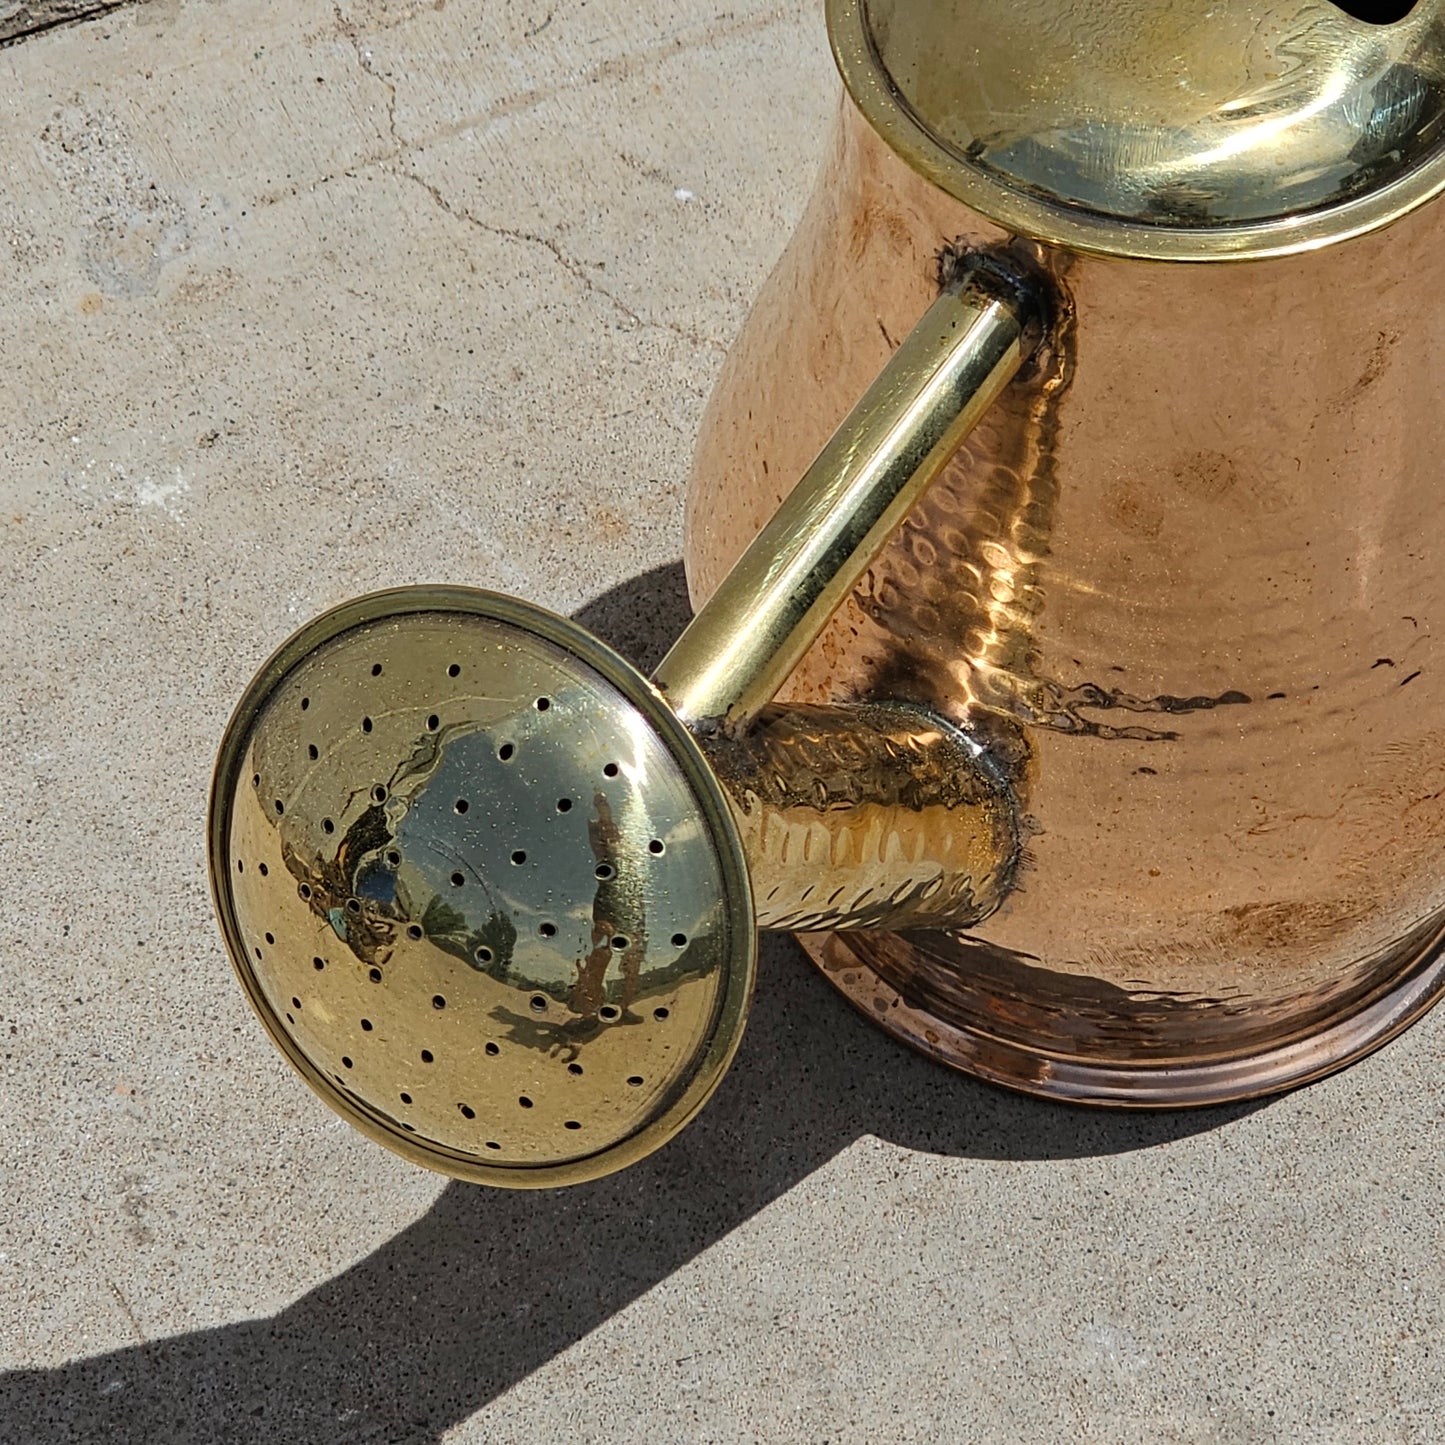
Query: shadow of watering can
x=1078, y=705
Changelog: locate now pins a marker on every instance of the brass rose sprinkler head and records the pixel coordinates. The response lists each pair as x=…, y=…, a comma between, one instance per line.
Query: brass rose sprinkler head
x=488, y=887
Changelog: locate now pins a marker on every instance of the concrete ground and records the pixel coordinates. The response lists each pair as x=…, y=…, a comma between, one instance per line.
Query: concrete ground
x=303, y=300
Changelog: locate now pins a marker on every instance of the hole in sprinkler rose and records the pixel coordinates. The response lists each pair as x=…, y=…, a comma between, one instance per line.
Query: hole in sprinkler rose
x=433, y=723
x=611, y=770
x=539, y=1004
x=543, y=703
x=525, y=1102
x=305, y=703
x=438, y=1001
x=636, y=1081
x=376, y=669
x=574, y=1068
x=467, y=1111
x=659, y=1014
x=679, y=940
x=548, y=930
x=492, y=1145
x=564, y=805
x=620, y=942
x=353, y=905
x=519, y=857
x=312, y=751
x=345, y=1062
x=413, y=931
x=571, y=1124
x=264, y=870
x=378, y=794
x=455, y=670
x=457, y=880
x=610, y=1012
x=296, y=1004
x=426, y=1056
x=258, y=951
x=393, y=858
x=255, y=780
x=493, y=1050
x=483, y=953
x=280, y=807
x=410, y=1128
x=406, y=1098
x=366, y=724
x=327, y=826
x=375, y=975
x=366, y=1026
x=604, y=871
x=461, y=805
x=305, y=890
x=240, y=866
x=318, y=963
x=270, y=938
x=505, y=751
x=656, y=846
x=289, y=1019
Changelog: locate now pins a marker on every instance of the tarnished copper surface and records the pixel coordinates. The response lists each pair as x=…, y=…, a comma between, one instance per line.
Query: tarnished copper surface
x=1183, y=581
x=867, y=816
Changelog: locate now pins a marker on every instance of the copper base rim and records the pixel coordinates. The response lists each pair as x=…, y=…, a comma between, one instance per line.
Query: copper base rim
x=1182, y=1084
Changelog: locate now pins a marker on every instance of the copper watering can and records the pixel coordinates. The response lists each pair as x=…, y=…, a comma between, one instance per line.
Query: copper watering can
x=1077, y=705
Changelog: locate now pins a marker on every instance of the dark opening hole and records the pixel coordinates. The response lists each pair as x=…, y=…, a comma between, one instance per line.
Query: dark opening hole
x=467, y=1111
x=375, y=975
x=296, y=1004
x=353, y=905
x=656, y=846
x=620, y=942
x=271, y=938
x=457, y=880
x=366, y=724
x=604, y=871
x=519, y=857
x=378, y=794
x=610, y=1012
x=258, y=951
x=255, y=780
x=571, y=1124
x=483, y=953
x=264, y=870
x=289, y=1019
x=240, y=866
x=539, y=1004
x=410, y=1128
x=393, y=857
x=525, y=1102
x=635, y=1081
x=280, y=807
x=455, y=670
x=564, y=805
x=492, y=1145
x=493, y=1050
x=574, y=1068
x=679, y=940
x=1377, y=12
x=548, y=930
x=366, y=1026
x=505, y=751
x=438, y=1001
x=318, y=964
x=345, y=1062
x=305, y=890
x=376, y=669
x=312, y=751
x=611, y=770
x=327, y=826
x=406, y=1098
x=659, y=1014
x=461, y=805
x=426, y=1056
x=413, y=931
x=433, y=723
x=305, y=703
x=543, y=703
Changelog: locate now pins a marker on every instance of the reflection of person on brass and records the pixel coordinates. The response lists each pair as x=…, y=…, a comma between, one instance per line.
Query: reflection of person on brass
x=612, y=908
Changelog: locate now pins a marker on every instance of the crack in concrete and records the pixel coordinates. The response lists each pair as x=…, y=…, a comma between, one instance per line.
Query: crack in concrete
x=397, y=164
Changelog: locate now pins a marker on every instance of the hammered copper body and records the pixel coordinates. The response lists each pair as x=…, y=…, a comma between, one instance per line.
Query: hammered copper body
x=1184, y=580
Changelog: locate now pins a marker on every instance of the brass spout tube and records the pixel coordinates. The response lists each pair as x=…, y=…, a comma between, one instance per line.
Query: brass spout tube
x=866, y=815
x=742, y=646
